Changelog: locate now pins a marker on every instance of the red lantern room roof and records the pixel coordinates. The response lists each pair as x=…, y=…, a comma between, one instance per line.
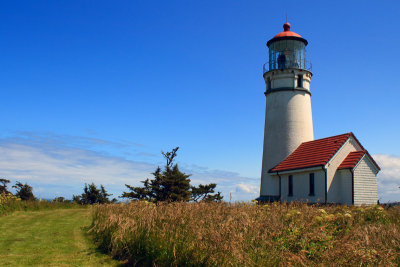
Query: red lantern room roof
x=286, y=31
x=287, y=34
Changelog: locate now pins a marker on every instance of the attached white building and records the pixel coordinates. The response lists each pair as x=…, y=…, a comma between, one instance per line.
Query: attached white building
x=336, y=169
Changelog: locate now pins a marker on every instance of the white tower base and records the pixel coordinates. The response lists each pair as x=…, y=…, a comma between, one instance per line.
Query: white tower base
x=288, y=122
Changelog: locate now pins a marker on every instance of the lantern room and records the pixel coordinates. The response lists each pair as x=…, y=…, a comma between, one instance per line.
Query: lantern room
x=287, y=50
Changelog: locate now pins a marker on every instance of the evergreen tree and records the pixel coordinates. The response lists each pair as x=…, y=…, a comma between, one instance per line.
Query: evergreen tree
x=142, y=193
x=175, y=185
x=92, y=195
x=24, y=191
x=168, y=185
x=171, y=185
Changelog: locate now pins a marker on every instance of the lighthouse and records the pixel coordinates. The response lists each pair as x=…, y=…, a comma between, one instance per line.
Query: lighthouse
x=295, y=167
x=288, y=116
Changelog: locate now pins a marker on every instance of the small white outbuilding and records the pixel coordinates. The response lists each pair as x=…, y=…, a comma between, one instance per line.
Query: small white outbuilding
x=335, y=169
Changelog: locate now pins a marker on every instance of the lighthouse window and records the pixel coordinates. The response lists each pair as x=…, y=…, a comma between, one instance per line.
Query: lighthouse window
x=290, y=185
x=268, y=84
x=312, y=187
x=299, y=80
x=287, y=54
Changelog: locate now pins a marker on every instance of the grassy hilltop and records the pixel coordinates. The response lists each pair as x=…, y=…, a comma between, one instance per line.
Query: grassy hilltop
x=197, y=234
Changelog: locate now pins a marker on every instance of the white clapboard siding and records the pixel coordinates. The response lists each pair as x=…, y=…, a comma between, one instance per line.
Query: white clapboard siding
x=365, y=185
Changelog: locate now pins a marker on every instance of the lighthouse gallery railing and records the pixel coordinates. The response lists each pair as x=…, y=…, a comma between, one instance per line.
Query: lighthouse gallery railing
x=288, y=64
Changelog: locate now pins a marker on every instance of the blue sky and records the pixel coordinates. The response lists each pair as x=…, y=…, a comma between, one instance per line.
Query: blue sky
x=94, y=90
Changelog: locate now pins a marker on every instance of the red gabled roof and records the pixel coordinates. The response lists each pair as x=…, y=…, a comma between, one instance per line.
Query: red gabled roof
x=313, y=153
x=352, y=159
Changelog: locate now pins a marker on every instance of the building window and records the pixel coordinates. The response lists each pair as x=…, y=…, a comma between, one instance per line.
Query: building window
x=299, y=80
x=290, y=185
x=312, y=185
x=268, y=84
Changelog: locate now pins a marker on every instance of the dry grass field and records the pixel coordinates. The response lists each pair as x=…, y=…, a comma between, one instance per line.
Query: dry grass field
x=211, y=234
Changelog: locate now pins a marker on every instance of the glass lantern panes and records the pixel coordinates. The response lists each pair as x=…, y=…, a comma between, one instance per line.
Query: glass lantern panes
x=286, y=54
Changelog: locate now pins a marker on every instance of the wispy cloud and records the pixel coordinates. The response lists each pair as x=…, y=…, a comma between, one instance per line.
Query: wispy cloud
x=389, y=177
x=247, y=188
x=60, y=165
x=68, y=167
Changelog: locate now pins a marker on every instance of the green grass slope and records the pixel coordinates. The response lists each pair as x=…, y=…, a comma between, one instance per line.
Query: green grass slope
x=49, y=238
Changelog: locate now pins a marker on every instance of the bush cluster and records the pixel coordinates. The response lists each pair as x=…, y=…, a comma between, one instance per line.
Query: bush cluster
x=7, y=201
x=10, y=203
x=220, y=234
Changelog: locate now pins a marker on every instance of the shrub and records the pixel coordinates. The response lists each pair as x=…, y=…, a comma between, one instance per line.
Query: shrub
x=10, y=203
x=6, y=202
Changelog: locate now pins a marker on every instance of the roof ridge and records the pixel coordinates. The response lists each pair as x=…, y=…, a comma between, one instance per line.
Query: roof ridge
x=359, y=151
x=348, y=134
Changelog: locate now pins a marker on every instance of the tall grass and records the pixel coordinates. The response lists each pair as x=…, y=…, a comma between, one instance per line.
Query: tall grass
x=10, y=203
x=211, y=234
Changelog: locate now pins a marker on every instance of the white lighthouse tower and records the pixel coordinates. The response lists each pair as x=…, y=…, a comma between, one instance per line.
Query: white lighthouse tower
x=288, y=117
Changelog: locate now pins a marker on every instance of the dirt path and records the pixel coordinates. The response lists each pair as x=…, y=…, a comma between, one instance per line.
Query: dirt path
x=49, y=238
